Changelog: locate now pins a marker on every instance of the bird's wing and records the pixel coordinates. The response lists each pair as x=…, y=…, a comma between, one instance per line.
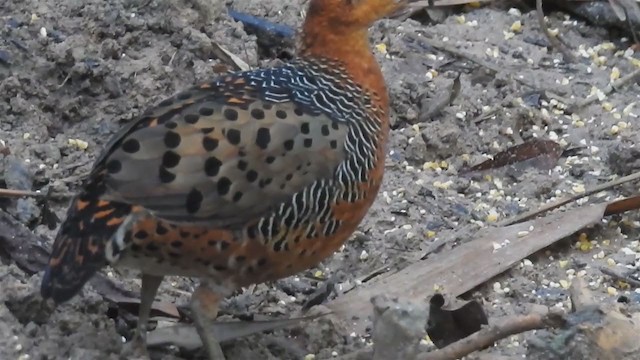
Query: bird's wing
x=221, y=154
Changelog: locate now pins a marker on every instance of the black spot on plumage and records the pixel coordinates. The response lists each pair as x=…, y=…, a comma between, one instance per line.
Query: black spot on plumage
x=288, y=145
x=172, y=139
x=161, y=230
x=307, y=142
x=166, y=102
x=270, y=159
x=141, y=234
x=298, y=111
x=325, y=130
x=176, y=243
x=281, y=114
x=240, y=258
x=333, y=144
x=263, y=138
x=304, y=128
x=219, y=267
x=224, y=185
x=267, y=106
x=206, y=111
x=170, y=159
x=264, y=182
x=207, y=130
x=252, y=231
x=230, y=114
x=212, y=166
x=131, y=146
x=262, y=262
x=209, y=144
x=257, y=114
x=166, y=176
x=233, y=135
x=194, y=201
x=252, y=175
x=224, y=245
x=191, y=118
x=152, y=247
x=242, y=165
x=171, y=125
x=335, y=125
x=237, y=196
x=114, y=166
x=184, y=96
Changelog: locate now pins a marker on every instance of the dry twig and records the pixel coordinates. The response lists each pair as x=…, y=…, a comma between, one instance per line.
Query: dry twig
x=9, y=193
x=633, y=76
x=566, y=53
x=554, y=205
x=616, y=275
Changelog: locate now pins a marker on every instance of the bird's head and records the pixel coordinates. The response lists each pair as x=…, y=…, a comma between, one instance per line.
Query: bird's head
x=351, y=15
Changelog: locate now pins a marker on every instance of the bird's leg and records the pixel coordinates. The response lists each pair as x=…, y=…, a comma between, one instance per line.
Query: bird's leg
x=150, y=285
x=204, y=305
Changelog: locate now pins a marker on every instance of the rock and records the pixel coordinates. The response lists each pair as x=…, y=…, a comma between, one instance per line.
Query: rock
x=398, y=326
x=17, y=175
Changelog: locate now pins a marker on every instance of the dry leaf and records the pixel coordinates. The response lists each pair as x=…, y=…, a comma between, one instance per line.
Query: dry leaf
x=538, y=153
x=452, y=320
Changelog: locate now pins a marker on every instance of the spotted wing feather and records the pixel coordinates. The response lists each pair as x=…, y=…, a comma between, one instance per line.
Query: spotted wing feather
x=226, y=157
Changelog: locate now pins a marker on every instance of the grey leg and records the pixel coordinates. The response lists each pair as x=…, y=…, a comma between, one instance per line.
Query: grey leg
x=150, y=285
x=204, y=304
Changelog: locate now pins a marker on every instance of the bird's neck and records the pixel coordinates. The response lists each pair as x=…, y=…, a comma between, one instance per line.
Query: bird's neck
x=353, y=51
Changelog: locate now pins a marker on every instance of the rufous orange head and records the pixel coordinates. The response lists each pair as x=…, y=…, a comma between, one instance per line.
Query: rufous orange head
x=351, y=15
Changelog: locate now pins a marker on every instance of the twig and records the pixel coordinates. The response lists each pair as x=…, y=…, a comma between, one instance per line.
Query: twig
x=616, y=275
x=568, y=56
x=548, y=207
x=608, y=90
x=489, y=335
x=9, y=193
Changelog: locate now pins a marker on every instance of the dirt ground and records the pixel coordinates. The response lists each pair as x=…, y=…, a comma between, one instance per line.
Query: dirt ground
x=73, y=71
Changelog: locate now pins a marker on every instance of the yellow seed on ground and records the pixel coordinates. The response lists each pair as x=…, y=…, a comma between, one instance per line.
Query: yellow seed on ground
x=615, y=74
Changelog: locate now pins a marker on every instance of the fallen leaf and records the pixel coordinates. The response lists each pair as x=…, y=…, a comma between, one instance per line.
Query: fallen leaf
x=452, y=320
x=538, y=153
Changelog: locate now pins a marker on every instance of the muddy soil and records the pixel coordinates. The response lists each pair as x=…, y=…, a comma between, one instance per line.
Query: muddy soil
x=73, y=71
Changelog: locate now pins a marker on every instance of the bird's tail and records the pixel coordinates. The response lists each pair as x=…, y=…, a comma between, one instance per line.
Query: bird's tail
x=79, y=248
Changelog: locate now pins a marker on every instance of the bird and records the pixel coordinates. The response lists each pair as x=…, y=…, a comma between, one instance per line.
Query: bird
x=246, y=178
